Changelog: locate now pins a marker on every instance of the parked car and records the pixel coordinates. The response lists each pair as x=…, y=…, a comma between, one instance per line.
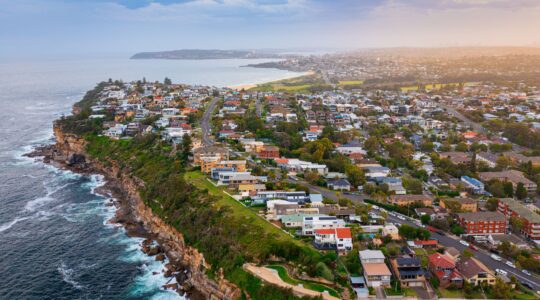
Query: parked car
x=473, y=247
x=501, y=272
x=464, y=243
x=510, y=264
x=495, y=257
x=526, y=272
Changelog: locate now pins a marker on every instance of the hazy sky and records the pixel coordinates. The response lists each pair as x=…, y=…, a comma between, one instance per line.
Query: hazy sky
x=56, y=27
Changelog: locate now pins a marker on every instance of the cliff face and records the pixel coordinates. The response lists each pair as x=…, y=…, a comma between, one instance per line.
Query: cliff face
x=172, y=241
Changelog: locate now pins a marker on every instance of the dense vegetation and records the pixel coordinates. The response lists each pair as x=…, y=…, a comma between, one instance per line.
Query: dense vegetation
x=226, y=240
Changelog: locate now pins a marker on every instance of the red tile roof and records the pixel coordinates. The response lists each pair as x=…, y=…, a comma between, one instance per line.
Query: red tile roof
x=441, y=261
x=343, y=233
x=325, y=231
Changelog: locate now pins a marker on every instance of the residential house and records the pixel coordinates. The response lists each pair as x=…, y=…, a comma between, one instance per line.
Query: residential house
x=211, y=151
x=376, y=273
x=475, y=272
x=465, y=204
x=405, y=200
x=408, y=270
x=473, y=184
x=443, y=267
x=334, y=238
x=310, y=224
x=268, y=152
x=339, y=185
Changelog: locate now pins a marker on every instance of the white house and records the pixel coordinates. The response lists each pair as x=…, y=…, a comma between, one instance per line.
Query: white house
x=310, y=224
x=340, y=238
x=350, y=148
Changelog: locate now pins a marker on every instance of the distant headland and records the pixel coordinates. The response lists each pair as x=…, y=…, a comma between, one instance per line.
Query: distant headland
x=207, y=54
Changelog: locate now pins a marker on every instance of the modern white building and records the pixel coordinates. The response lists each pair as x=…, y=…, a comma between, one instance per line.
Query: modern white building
x=311, y=224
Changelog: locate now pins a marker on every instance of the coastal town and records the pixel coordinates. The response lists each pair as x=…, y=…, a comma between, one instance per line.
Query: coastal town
x=427, y=192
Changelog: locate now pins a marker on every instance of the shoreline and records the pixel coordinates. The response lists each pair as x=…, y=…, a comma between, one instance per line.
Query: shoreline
x=248, y=86
x=176, y=273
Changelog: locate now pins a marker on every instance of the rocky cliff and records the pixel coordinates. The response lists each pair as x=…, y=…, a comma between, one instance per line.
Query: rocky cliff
x=187, y=262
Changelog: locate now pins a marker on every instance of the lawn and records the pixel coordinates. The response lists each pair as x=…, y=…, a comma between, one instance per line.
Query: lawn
x=284, y=275
x=409, y=88
x=295, y=84
x=350, y=82
x=199, y=180
x=446, y=293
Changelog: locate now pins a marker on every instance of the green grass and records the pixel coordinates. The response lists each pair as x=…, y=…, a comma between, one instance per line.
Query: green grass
x=350, y=82
x=250, y=216
x=284, y=275
x=409, y=88
x=446, y=293
x=301, y=84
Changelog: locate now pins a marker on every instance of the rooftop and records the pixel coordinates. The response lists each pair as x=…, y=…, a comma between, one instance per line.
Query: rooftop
x=520, y=209
x=483, y=216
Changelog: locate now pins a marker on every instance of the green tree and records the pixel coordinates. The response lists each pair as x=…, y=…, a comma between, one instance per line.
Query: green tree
x=492, y=204
x=508, y=189
x=521, y=191
x=167, y=81
x=462, y=147
x=425, y=219
x=355, y=175
x=501, y=290
x=516, y=224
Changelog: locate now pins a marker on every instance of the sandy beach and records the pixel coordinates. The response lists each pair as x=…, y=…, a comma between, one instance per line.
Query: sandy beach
x=248, y=86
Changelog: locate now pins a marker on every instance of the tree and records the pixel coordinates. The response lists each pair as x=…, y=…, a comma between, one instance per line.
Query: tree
x=501, y=290
x=412, y=185
x=516, y=224
x=425, y=219
x=355, y=175
x=492, y=204
x=521, y=192
x=503, y=162
x=462, y=147
x=457, y=230
x=167, y=81
x=508, y=189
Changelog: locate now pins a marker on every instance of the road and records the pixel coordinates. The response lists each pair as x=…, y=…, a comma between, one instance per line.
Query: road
x=445, y=240
x=481, y=255
x=475, y=126
x=206, y=127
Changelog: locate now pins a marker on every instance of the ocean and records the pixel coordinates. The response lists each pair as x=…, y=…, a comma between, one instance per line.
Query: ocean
x=55, y=239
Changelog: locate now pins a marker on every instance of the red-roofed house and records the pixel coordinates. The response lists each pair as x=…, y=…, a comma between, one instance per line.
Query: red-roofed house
x=444, y=268
x=334, y=238
x=426, y=244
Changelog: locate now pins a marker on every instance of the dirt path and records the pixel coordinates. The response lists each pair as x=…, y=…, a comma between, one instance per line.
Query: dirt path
x=272, y=277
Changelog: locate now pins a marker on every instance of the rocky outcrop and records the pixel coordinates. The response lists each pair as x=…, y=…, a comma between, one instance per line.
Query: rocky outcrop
x=187, y=264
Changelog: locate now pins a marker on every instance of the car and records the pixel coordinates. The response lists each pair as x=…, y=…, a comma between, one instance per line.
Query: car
x=526, y=272
x=502, y=272
x=495, y=257
x=526, y=284
x=510, y=264
x=464, y=243
x=473, y=247
x=401, y=218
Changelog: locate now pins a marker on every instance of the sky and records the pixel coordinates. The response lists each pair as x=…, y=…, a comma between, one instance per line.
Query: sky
x=60, y=27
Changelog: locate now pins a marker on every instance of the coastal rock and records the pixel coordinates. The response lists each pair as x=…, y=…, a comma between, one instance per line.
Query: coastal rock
x=139, y=220
x=160, y=257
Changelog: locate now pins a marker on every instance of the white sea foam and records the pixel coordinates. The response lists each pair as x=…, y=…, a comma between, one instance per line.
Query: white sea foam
x=32, y=205
x=8, y=225
x=67, y=276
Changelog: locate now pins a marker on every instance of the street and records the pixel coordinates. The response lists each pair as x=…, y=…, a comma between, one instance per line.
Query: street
x=445, y=240
x=206, y=128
